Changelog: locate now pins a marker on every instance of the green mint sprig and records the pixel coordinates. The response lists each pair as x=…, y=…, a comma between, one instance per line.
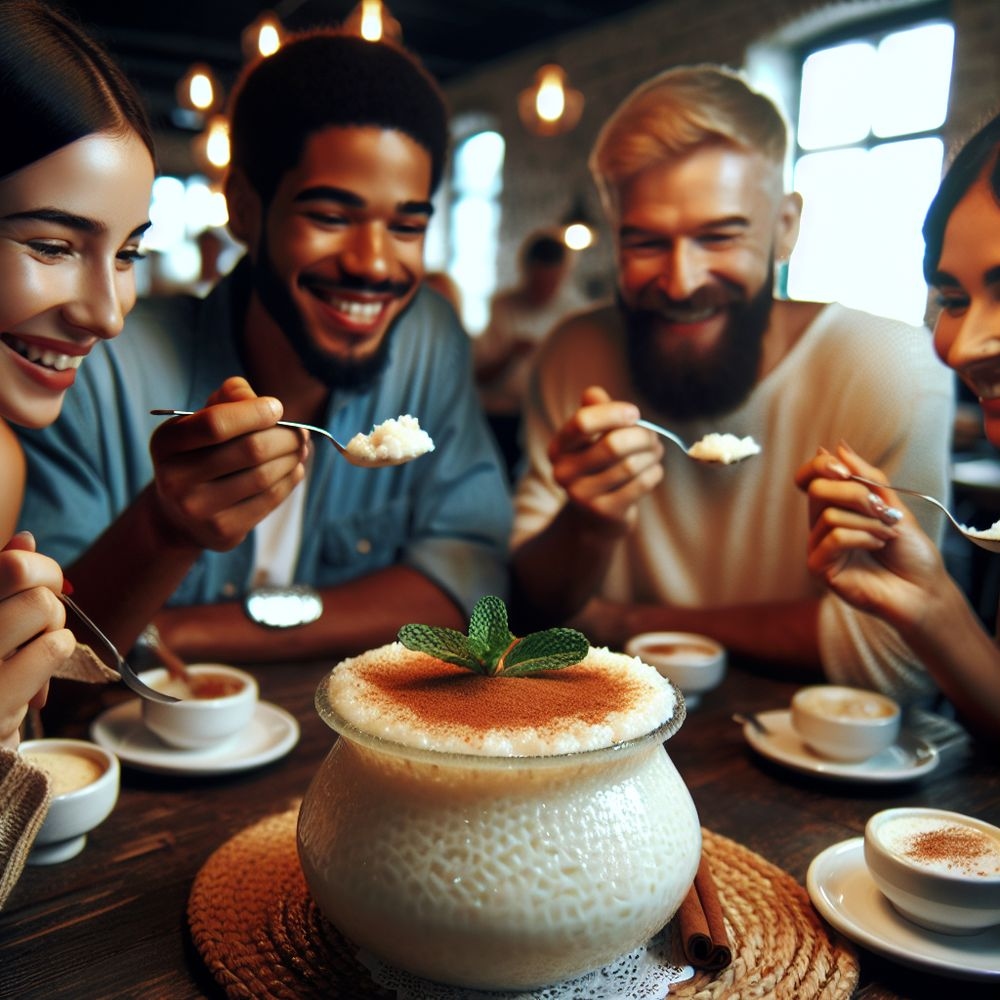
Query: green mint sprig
x=491, y=648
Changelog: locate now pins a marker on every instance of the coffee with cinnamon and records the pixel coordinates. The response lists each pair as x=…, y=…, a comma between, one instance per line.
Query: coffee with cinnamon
x=940, y=844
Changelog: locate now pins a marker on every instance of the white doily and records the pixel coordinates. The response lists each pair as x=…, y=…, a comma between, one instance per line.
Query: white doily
x=643, y=974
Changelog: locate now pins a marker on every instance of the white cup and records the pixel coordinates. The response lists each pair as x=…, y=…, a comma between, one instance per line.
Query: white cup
x=85, y=780
x=939, y=869
x=844, y=723
x=695, y=663
x=197, y=722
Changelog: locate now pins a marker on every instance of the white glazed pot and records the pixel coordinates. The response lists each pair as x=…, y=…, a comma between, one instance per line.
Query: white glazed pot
x=497, y=872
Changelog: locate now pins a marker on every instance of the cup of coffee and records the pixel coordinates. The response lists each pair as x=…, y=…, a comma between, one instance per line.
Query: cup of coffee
x=695, y=663
x=939, y=869
x=844, y=723
x=84, y=779
x=217, y=704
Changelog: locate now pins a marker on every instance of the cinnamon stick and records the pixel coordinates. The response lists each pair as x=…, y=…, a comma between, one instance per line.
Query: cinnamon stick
x=702, y=927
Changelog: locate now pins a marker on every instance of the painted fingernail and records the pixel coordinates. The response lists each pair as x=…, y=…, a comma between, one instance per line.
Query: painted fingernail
x=885, y=513
x=840, y=469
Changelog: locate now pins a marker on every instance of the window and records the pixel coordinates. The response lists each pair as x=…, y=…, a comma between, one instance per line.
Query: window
x=474, y=223
x=868, y=160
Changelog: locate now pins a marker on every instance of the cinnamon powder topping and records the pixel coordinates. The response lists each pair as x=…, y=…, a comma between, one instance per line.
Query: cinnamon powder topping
x=419, y=700
x=439, y=694
x=953, y=847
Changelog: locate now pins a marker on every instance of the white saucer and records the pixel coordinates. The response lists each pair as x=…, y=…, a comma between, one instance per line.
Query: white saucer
x=272, y=732
x=906, y=759
x=842, y=890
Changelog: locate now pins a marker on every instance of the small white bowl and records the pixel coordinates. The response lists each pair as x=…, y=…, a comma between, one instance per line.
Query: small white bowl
x=695, y=663
x=195, y=723
x=939, y=869
x=91, y=777
x=845, y=723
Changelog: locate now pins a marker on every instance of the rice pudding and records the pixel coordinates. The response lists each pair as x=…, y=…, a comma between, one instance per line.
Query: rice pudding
x=724, y=448
x=392, y=441
x=498, y=832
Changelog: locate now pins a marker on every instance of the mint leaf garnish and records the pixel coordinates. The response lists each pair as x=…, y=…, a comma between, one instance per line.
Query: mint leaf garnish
x=444, y=643
x=491, y=648
x=552, y=649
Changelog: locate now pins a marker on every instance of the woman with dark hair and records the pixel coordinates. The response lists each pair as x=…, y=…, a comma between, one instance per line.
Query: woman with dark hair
x=865, y=544
x=76, y=171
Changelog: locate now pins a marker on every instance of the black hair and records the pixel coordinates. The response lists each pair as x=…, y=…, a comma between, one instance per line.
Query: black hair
x=57, y=85
x=325, y=78
x=544, y=249
x=962, y=174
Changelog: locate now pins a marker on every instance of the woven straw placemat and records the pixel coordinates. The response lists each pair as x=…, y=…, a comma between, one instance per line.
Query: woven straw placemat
x=261, y=936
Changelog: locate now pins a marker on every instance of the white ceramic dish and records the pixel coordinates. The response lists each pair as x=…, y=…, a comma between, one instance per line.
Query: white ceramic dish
x=75, y=813
x=198, y=723
x=695, y=663
x=842, y=890
x=940, y=869
x=272, y=732
x=909, y=758
x=844, y=723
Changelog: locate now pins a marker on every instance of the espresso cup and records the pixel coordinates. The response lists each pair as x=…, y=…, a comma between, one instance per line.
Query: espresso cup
x=844, y=723
x=219, y=705
x=695, y=663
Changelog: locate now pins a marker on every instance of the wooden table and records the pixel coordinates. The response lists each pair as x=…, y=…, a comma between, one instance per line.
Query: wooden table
x=111, y=922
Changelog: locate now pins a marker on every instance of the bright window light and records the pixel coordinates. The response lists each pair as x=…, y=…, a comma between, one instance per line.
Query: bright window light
x=860, y=242
x=477, y=180
x=912, y=78
x=869, y=113
x=835, y=104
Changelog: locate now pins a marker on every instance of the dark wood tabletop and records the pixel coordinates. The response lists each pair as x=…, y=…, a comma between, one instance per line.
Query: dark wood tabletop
x=111, y=923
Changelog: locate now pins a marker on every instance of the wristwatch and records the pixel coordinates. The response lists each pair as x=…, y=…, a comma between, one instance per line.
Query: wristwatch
x=283, y=607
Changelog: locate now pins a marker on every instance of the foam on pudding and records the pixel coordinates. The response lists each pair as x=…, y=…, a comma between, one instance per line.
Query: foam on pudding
x=418, y=700
x=725, y=448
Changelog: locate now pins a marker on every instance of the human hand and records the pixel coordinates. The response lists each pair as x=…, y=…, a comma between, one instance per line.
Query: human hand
x=603, y=461
x=221, y=470
x=864, y=543
x=33, y=639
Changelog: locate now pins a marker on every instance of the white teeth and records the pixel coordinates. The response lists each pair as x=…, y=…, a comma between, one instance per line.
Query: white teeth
x=50, y=359
x=363, y=311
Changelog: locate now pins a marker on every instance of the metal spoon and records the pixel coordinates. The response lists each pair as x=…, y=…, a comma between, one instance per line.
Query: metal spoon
x=128, y=675
x=671, y=436
x=991, y=544
x=744, y=718
x=365, y=463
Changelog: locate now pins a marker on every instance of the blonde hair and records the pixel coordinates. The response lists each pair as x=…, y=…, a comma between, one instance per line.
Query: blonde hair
x=679, y=111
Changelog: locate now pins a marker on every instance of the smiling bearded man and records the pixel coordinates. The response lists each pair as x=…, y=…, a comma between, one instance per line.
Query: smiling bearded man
x=338, y=145
x=617, y=537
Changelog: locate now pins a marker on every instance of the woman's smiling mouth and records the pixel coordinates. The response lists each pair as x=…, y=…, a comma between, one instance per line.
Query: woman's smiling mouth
x=43, y=356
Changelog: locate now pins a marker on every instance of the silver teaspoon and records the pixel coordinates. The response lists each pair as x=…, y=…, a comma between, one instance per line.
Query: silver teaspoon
x=734, y=450
x=359, y=460
x=991, y=544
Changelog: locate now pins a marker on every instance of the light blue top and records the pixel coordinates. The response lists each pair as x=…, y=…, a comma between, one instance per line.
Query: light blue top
x=446, y=514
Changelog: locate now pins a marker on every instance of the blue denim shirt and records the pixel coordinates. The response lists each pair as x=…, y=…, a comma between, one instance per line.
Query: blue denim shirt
x=447, y=514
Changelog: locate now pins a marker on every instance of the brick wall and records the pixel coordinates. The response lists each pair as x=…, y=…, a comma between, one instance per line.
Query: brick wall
x=542, y=175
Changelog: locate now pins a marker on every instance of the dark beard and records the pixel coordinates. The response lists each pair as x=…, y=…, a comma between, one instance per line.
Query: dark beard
x=335, y=373
x=682, y=383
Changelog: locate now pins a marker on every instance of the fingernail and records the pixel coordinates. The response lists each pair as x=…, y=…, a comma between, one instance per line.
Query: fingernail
x=885, y=513
x=25, y=535
x=840, y=469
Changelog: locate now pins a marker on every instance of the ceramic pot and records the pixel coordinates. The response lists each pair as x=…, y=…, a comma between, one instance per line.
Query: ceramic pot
x=497, y=872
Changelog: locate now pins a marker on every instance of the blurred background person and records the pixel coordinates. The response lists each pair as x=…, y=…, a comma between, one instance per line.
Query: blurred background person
x=520, y=318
